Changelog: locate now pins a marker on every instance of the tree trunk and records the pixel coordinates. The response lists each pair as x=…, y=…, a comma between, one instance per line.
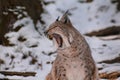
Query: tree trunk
x=8, y=17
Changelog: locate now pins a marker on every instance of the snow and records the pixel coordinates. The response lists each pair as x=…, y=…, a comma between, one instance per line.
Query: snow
x=2, y=76
x=109, y=68
x=101, y=52
x=86, y=17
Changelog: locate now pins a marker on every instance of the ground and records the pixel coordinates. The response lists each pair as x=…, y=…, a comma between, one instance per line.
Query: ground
x=33, y=52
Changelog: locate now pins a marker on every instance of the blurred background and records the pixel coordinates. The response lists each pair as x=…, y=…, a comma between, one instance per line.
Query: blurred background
x=26, y=53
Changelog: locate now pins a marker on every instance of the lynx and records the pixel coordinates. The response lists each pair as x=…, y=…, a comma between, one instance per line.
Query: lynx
x=74, y=60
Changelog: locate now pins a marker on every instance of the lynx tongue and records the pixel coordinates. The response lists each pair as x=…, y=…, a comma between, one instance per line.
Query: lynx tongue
x=58, y=39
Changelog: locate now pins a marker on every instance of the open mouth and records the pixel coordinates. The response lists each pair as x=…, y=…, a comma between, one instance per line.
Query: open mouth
x=58, y=39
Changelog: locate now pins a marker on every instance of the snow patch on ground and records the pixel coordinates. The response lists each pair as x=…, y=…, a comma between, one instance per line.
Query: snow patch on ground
x=32, y=54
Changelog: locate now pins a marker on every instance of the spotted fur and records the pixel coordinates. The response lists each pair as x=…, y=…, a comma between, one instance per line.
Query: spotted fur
x=74, y=60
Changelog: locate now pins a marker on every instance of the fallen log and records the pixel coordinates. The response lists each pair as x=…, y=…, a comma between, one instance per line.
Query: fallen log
x=4, y=79
x=110, y=76
x=112, y=37
x=13, y=73
x=113, y=30
x=115, y=60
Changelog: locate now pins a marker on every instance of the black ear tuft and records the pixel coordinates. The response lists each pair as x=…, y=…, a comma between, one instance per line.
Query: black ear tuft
x=57, y=18
x=66, y=12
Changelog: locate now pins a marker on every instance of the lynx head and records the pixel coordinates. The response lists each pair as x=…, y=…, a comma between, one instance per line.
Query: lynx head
x=59, y=31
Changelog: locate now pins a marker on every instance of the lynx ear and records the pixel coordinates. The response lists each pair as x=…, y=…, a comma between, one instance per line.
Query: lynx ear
x=65, y=18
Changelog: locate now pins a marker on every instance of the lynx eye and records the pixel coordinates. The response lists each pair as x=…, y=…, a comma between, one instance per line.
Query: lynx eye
x=50, y=37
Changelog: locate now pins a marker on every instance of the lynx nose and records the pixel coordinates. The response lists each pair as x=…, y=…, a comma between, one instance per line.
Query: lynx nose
x=47, y=35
